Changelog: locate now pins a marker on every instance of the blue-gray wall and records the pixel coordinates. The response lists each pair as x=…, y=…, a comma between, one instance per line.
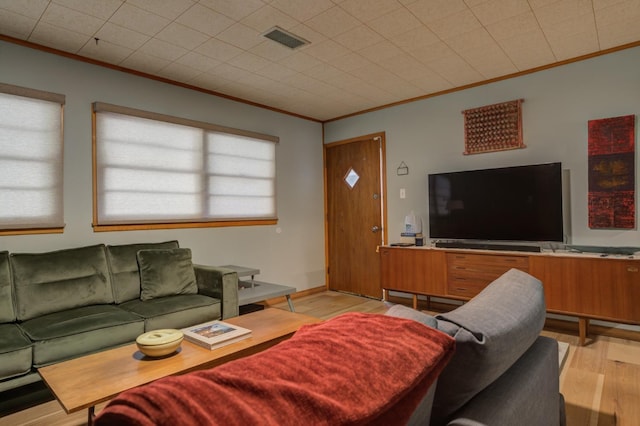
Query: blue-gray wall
x=290, y=253
x=428, y=135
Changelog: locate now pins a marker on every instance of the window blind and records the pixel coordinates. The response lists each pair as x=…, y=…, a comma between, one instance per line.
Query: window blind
x=31, y=153
x=152, y=168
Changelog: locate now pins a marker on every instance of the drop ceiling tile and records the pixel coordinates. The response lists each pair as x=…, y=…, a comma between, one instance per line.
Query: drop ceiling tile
x=32, y=9
x=455, y=70
x=198, y=61
x=528, y=50
x=382, y=51
x=367, y=10
x=71, y=20
x=584, y=24
x=230, y=72
x=162, y=49
x=324, y=72
x=139, y=20
x=497, y=10
x=473, y=40
x=307, y=33
x=179, y=72
x=456, y=24
x=248, y=61
x=520, y=24
x=102, y=9
x=574, y=45
x=351, y=61
x=145, y=63
x=395, y=23
x=619, y=34
x=434, y=10
x=432, y=52
x=217, y=49
x=58, y=38
x=333, y=22
x=490, y=61
x=300, y=61
x=241, y=36
x=105, y=51
x=326, y=50
x=302, y=10
x=182, y=36
x=276, y=72
x=169, y=9
x=556, y=13
x=275, y=52
x=209, y=82
x=405, y=66
x=431, y=82
x=16, y=25
x=267, y=17
x=234, y=9
x=205, y=20
x=415, y=39
x=358, y=38
x=620, y=11
x=121, y=36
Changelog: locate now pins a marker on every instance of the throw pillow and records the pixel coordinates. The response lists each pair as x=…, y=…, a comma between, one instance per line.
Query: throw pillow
x=166, y=272
x=401, y=311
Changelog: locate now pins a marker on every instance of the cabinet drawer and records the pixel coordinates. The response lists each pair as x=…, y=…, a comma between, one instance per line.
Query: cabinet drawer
x=484, y=262
x=465, y=286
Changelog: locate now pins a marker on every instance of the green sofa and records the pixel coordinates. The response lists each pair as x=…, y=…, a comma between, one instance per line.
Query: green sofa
x=63, y=304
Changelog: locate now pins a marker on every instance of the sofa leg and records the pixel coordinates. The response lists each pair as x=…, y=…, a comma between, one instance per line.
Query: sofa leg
x=583, y=329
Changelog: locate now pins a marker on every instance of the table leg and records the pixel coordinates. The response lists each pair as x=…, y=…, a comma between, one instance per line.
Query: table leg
x=91, y=414
x=583, y=329
x=290, y=303
x=415, y=301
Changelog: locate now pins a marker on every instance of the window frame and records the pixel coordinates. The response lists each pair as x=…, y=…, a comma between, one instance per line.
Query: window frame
x=60, y=99
x=98, y=107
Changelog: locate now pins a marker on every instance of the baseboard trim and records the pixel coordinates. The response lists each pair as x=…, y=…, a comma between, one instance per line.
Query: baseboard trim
x=296, y=295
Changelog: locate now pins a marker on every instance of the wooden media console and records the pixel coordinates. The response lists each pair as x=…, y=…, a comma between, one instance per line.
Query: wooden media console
x=583, y=285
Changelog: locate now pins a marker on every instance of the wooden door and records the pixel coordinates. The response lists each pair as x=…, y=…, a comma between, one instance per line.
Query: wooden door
x=354, y=182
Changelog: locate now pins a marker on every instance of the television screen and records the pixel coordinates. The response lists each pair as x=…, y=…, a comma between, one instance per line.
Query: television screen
x=521, y=203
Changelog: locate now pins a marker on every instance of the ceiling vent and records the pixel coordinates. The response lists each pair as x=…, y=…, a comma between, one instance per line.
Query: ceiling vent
x=285, y=38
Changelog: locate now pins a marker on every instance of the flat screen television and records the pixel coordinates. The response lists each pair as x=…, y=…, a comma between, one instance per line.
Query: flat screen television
x=521, y=203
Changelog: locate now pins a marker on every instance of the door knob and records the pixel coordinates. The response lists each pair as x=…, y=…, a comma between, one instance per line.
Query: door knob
x=375, y=229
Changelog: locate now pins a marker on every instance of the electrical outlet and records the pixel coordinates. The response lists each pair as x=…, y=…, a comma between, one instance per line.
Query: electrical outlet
x=403, y=193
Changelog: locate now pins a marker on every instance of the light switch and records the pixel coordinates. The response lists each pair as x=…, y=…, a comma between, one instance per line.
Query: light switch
x=403, y=193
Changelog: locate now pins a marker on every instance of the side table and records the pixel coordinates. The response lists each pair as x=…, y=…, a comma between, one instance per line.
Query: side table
x=256, y=291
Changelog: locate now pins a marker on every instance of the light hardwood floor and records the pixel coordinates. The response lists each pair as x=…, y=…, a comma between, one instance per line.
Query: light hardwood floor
x=600, y=381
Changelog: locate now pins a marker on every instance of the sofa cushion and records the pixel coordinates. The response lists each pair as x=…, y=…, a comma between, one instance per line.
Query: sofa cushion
x=124, y=268
x=401, y=311
x=175, y=311
x=7, y=313
x=60, y=280
x=166, y=272
x=492, y=331
x=75, y=332
x=354, y=369
x=15, y=351
x=525, y=395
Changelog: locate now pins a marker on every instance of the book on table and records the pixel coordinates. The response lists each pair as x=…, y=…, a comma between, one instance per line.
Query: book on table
x=215, y=334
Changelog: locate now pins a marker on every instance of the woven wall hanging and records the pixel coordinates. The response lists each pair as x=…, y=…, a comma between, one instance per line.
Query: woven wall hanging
x=491, y=128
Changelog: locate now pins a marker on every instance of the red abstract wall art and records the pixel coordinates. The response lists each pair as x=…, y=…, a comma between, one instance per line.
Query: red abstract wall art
x=612, y=173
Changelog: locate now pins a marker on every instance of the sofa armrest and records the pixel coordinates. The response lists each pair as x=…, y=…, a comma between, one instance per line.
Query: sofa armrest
x=220, y=283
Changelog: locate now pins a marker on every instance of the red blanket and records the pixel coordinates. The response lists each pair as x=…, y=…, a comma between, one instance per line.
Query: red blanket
x=351, y=370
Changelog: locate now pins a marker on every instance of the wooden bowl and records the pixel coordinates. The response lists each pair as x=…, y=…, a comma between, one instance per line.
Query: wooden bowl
x=161, y=342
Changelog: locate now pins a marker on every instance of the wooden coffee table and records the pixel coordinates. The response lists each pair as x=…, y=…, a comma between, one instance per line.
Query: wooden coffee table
x=89, y=380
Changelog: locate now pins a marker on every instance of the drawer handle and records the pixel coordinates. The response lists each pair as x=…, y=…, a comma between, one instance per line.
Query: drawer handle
x=632, y=269
x=461, y=288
